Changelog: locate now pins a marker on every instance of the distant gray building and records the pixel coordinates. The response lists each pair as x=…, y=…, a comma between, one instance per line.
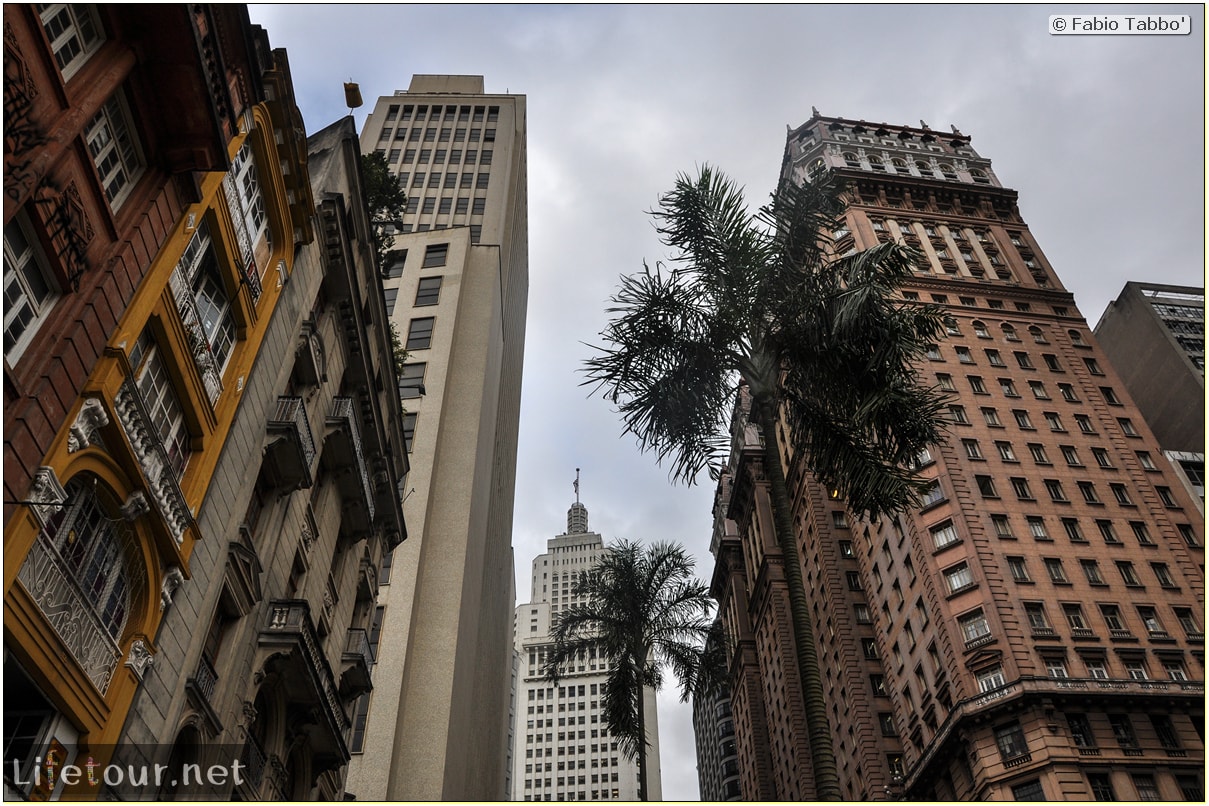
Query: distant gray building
x=717, y=758
x=1155, y=337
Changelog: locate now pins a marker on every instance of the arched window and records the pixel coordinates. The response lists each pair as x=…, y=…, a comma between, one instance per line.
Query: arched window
x=851, y=159
x=924, y=168
x=1037, y=335
x=979, y=177
x=1009, y=333
x=79, y=571
x=947, y=170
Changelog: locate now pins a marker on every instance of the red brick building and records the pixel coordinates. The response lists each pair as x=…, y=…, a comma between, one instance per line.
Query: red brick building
x=1034, y=631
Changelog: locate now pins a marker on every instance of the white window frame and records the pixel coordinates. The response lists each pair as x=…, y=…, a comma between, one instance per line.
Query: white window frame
x=22, y=272
x=115, y=151
x=163, y=405
x=81, y=30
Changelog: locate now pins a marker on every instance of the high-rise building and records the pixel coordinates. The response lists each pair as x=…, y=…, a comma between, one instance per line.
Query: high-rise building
x=1034, y=629
x=278, y=618
x=562, y=748
x=1154, y=335
x=717, y=757
x=155, y=189
x=436, y=725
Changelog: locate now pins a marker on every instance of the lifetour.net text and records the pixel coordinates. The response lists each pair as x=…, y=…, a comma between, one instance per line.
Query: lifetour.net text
x=129, y=776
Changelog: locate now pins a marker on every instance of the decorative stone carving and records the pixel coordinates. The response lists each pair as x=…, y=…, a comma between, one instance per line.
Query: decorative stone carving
x=136, y=506
x=140, y=658
x=173, y=579
x=46, y=494
x=92, y=416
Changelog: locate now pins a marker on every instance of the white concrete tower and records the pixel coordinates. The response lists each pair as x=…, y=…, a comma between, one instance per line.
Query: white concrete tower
x=562, y=749
x=435, y=726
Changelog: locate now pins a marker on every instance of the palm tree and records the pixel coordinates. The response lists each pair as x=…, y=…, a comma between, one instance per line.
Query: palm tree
x=822, y=343
x=642, y=609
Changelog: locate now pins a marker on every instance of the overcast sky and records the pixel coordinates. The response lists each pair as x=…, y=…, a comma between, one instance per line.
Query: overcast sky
x=1102, y=136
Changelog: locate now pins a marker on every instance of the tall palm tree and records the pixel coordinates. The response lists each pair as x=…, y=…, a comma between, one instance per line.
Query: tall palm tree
x=643, y=609
x=821, y=341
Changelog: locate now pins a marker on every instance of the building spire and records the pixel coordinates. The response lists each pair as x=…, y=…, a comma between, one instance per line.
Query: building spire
x=577, y=515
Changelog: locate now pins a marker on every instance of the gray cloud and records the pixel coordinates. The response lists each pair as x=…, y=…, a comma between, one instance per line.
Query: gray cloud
x=1103, y=136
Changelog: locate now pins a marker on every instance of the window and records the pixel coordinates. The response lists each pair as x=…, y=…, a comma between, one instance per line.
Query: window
x=1003, y=527
x=995, y=359
x=446, y=205
x=869, y=648
x=959, y=578
x=1038, y=390
x=1101, y=786
x=1074, y=618
x=481, y=182
x=1101, y=456
x=1110, y=397
x=429, y=291
x=395, y=262
x=991, y=416
x=29, y=293
x=1092, y=366
x=1037, y=620
x=389, y=296
x=1107, y=532
x=846, y=549
x=85, y=539
x=878, y=683
x=1127, y=427
x=419, y=334
x=199, y=268
x=151, y=375
x=435, y=255
x=986, y=486
x=1163, y=574
x=944, y=535
x=1085, y=424
x=854, y=581
x=1005, y=451
x=1009, y=332
x=886, y=721
x=1070, y=455
x=1073, y=530
x=1174, y=669
x=963, y=355
x=1056, y=667
x=1054, y=488
x=1091, y=570
x=1037, y=451
x=1188, y=622
x=74, y=34
x=1145, y=460
x=1120, y=493
x=974, y=626
x=1096, y=668
x=1164, y=496
x=1036, y=527
x=958, y=415
x=1088, y=491
x=1019, y=569
x=115, y=150
x=934, y=353
x=1008, y=388
x=1141, y=533
x=863, y=614
x=1188, y=534
x=1022, y=419
x=945, y=382
x=411, y=380
x=1023, y=360
x=1057, y=574
x=1010, y=739
x=991, y=679
x=1190, y=787
x=980, y=330
x=1021, y=488
x=1128, y=574
x=1150, y=620
x=933, y=494
x=972, y=449
x=480, y=206
x=1080, y=730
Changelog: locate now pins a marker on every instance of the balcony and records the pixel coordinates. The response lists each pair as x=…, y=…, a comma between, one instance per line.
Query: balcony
x=144, y=441
x=343, y=453
x=288, y=458
x=367, y=581
x=358, y=661
x=200, y=689
x=304, y=678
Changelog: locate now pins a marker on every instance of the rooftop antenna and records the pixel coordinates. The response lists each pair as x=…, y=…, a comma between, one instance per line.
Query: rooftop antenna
x=576, y=485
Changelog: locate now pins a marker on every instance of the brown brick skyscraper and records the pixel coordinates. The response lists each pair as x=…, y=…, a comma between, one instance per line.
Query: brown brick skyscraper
x=1034, y=630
